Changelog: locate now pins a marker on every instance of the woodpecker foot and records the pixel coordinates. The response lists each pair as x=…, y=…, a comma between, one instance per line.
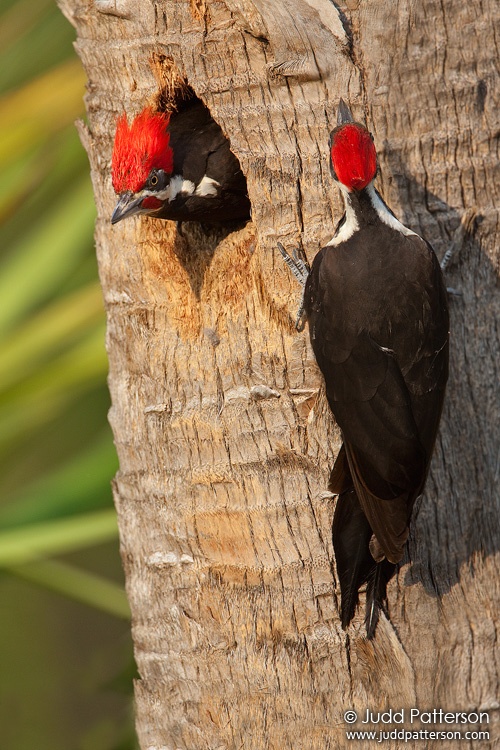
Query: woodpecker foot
x=463, y=230
x=298, y=265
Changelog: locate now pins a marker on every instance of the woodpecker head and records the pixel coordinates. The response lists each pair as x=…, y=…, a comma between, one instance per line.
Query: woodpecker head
x=142, y=164
x=352, y=152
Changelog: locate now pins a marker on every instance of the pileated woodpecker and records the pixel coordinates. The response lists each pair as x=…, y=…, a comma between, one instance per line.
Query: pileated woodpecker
x=177, y=166
x=378, y=322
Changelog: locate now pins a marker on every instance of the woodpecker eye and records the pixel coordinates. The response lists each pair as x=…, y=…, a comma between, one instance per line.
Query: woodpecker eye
x=157, y=180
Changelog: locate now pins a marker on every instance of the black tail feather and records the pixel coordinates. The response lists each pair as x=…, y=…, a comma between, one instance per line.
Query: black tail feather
x=355, y=564
x=376, y=594
x=351, y=537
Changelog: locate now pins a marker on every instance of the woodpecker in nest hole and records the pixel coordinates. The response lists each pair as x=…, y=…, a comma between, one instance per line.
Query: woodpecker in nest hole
x=177, y=166
x=377, y=310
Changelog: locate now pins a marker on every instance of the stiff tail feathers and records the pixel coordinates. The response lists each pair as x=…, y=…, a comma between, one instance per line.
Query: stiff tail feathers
x=351, y=536
x=355, y=565
x=376, y=593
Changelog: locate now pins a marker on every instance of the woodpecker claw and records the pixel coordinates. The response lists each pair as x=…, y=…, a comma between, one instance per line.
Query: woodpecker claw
x=298, y=265
x=301, y=319
x=301, y=263
x=464, y=229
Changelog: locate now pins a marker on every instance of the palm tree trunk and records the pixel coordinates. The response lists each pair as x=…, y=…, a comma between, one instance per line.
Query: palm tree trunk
x=223, y=432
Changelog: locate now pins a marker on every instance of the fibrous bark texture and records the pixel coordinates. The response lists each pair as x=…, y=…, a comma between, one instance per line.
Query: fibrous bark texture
x=223, y=433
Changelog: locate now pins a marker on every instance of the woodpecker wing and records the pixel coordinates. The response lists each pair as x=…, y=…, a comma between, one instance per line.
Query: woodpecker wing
x=386, y=459
x=203, y=156
x=379, y=329
x=194, y=137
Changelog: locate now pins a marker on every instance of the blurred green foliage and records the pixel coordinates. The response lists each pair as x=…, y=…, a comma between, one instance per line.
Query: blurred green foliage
x=57, y=524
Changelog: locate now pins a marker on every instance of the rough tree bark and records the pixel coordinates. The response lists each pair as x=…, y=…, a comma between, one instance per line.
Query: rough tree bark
x=222, y=429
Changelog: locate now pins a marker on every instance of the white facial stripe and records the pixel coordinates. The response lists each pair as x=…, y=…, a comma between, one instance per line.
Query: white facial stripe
x=384, y=213
x=176, y=185
x=207, y=186
x=161, y=194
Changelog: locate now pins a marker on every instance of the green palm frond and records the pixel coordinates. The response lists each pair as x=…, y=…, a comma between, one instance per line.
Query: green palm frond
x=56, y=451
x=59, y=546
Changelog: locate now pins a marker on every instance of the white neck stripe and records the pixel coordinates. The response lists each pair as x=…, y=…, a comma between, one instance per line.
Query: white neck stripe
x=350, y=224
x=384, y=214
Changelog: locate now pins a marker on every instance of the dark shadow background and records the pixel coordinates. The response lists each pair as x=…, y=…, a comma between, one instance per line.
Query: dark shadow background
x=456, y=522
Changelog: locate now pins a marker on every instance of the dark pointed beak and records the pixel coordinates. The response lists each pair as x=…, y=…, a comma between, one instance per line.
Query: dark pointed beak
x=128, y=205
x=344, y=114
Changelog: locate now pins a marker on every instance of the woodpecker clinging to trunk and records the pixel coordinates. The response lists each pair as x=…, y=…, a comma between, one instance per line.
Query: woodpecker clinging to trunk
x=378, y=323
x=177, y=166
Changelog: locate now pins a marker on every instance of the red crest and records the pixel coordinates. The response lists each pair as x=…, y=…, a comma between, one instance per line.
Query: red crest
x=139, y=148
x=353, y=155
